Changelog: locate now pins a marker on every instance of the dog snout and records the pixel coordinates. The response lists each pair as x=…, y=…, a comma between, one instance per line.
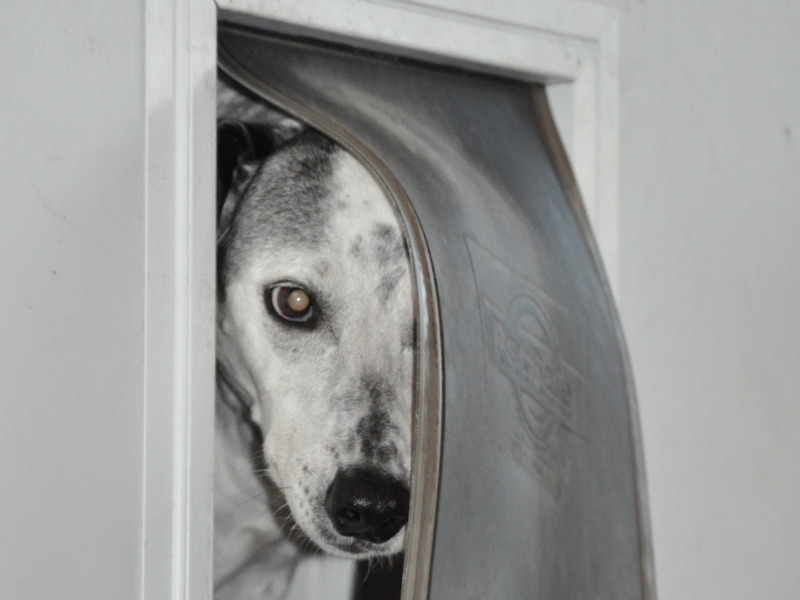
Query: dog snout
x=367, y=505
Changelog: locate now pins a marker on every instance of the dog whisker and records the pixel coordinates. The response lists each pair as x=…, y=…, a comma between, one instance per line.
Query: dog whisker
x=251, y=498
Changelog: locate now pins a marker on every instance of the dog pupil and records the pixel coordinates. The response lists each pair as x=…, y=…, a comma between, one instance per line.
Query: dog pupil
x=298, y=301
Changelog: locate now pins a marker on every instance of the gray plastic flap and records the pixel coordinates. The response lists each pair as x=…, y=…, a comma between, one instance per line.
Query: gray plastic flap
x=539, y=487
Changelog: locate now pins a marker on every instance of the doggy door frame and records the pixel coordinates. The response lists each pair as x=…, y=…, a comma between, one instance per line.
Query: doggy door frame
x=540, y=458
x=573, y=47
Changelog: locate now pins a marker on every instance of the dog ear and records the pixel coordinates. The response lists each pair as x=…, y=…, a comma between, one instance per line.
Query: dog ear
x=240, y=147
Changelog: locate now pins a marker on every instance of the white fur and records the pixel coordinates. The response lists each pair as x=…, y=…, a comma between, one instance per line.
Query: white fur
x=296, y=397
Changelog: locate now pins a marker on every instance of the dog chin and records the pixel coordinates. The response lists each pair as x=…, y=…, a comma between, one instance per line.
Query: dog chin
x=346, y=547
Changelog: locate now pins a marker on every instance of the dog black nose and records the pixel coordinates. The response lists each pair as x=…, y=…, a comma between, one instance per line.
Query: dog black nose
x=367, y=505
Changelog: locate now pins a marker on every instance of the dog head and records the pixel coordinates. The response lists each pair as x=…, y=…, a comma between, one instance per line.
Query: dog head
x=316, y=332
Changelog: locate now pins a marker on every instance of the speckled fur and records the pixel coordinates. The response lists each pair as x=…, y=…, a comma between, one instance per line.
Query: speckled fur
x=301, y=404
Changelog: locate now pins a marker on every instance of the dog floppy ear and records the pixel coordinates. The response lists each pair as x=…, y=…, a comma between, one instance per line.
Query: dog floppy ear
x=240, y=148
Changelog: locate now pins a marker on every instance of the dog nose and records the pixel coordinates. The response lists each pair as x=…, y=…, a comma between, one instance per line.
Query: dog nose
x=367, y=505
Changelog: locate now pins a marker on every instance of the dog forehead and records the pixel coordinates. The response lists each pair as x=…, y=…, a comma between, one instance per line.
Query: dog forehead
x=363, y=223
x=310, y=193
x=315, y=214
x=356, y=194
x=288, y=201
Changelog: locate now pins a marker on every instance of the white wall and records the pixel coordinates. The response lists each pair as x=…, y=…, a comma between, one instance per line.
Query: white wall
x=710, y=287
x=106, y=317
x=72, y=318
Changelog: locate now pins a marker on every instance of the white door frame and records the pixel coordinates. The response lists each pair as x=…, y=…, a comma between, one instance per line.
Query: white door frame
x=571, y=46
x=180, y=105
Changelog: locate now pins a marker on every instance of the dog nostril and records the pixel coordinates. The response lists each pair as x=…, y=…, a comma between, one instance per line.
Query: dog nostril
x=349, y=515
x=367, y=505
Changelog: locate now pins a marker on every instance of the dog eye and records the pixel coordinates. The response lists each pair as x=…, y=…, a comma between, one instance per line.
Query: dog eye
x=292, y=303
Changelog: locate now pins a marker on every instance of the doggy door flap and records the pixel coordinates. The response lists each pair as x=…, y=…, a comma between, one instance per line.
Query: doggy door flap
x=538, y=487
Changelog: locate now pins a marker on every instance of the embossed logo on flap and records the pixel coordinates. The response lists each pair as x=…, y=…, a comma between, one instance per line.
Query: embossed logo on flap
x=523, y=328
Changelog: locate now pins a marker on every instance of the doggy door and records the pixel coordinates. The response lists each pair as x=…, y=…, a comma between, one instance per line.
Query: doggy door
x=537, y=481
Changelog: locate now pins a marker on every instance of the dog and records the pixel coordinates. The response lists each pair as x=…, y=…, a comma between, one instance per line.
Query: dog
x=315, y=350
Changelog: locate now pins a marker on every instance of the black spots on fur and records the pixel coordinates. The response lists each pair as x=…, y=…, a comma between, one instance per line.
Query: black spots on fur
x=357, y=247
x=371, y=438
x=375, y=428
x=384, y=232
x=371, y=431
x=351, y=444
x=388, y=244
x=409, y=339
x=385, y=453
x=388, y=249
x=377, y=390
x=389, y=282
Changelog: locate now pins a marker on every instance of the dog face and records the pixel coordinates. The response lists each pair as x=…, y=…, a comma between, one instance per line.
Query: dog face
x=316, y=334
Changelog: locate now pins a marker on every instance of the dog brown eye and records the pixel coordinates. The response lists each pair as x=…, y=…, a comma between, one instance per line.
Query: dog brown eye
x=291, y=303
